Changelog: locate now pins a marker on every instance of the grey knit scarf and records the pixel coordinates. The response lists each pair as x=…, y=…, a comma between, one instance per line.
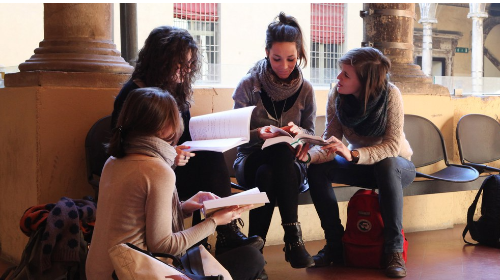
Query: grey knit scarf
x=350, y=113
x=156, y=147
x=276, y=88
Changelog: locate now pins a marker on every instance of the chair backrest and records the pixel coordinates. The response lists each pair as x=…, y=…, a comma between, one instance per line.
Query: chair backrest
x=95, y=152
x=425, y=140
x=478, y=139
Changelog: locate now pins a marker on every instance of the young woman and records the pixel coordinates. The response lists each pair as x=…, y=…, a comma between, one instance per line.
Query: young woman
x=368, y=111
x=138, y=201
x=284, y=99
x=169, y=60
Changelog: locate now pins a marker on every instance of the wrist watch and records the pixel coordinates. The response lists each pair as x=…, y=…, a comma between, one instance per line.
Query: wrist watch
x=355, y=156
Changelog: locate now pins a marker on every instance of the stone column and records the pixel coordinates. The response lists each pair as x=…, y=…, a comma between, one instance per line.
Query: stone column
x=477, y=13
x=47, y=109
x=427, y=18
x=77, y=38
x=128, y=31
x=389, y=28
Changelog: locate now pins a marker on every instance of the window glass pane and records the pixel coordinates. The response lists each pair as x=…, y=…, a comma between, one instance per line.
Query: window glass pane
x=202, y=22
x=327, y=41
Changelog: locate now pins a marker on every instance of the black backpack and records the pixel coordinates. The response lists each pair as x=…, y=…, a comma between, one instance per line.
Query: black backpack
x=486, y=230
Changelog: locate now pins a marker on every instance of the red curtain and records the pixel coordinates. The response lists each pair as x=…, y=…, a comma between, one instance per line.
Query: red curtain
x=196, y=11
x=327, y=23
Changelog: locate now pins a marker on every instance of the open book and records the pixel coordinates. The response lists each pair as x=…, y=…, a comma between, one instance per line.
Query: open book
x=253, y=196
x=299, y=139
x=220, y=131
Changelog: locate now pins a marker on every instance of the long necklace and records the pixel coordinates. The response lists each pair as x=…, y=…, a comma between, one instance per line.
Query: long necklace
x=282, y=111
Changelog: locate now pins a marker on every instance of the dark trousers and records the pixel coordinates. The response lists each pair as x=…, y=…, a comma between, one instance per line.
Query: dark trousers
x=273, y=170
x=206, y=171
x=390, y=176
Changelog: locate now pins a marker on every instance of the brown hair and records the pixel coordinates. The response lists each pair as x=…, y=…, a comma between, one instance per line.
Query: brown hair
x=146, y=111
x=372, y=69
x=286, y=29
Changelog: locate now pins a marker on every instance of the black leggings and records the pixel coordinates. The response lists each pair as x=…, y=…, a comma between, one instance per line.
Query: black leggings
x=206, y=171
x=273, y=170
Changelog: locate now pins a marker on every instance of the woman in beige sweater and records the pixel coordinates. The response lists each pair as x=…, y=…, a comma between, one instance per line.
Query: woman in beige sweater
x=367, y=111
x=138, y=201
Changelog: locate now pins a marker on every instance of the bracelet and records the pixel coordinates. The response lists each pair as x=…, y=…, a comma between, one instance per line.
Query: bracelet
x=308, y=159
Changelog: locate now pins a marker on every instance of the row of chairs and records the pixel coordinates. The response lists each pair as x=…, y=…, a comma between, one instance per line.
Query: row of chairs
x=478, y=139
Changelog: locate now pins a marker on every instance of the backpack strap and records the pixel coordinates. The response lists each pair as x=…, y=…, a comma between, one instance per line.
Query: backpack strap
x=470, y=216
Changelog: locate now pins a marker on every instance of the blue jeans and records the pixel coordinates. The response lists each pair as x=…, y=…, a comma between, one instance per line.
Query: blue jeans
x=390, y=176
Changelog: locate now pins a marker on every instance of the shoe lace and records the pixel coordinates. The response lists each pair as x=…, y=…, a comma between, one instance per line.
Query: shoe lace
x=240, y=221
x=396, y=260
x=236, y=229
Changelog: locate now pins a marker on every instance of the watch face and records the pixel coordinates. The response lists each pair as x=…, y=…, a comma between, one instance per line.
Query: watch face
x=355, y=156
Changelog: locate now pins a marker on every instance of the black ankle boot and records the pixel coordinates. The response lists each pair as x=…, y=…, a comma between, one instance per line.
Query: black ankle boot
x=229, y=237
x=331, y=253
x=295, y=251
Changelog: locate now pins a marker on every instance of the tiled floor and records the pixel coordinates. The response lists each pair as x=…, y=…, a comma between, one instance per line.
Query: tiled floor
x=432, y=255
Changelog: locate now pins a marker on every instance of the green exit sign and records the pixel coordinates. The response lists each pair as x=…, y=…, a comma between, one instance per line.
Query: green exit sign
x=461, y=50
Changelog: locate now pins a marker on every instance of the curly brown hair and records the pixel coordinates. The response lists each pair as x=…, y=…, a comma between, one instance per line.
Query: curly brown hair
x=164, y=50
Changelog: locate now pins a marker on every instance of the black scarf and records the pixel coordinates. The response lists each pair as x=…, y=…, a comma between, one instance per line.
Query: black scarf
x=350, y=113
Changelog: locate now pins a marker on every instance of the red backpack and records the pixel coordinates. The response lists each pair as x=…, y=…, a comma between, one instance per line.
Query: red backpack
x=363, y=237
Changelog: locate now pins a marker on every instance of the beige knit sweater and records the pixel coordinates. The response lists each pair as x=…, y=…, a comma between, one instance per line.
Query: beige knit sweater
x=135, y=205
x=371, y=149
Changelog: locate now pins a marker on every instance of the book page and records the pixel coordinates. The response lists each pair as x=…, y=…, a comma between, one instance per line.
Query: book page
x=276, y=140
x=214, y=145
x=227, y=124
x=281, y=131
x=253, y=196
x=298, y=139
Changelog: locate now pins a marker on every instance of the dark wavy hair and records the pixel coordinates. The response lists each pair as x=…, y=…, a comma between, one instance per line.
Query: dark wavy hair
x=286, y=29
x=145, y=112
x=372, y=68
x=164, y=50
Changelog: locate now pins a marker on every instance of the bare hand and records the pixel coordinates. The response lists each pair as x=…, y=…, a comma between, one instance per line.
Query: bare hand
x=337, y=147
x=226, y=215
x=182, y=157
x=293, y=129
x=196, y=201
x=301, y=152
x=265, y=133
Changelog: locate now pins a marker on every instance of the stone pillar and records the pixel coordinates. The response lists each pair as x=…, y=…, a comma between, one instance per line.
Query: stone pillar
x=128, y=31
x=389, y=28
x=77, y=38
x=47, y=109
x=477, y=13
x=427, y=18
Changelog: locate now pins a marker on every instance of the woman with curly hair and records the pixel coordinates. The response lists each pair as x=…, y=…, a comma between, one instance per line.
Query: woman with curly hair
x=170, y=61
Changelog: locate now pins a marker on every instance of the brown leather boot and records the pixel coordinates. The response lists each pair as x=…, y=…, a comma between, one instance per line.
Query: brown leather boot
x=396, y=267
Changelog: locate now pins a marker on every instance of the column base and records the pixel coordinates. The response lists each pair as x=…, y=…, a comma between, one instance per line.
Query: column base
x=65, y=79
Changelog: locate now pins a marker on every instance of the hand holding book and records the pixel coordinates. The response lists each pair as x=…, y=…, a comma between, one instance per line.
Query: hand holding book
x=294, y=141
x=252, y=197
